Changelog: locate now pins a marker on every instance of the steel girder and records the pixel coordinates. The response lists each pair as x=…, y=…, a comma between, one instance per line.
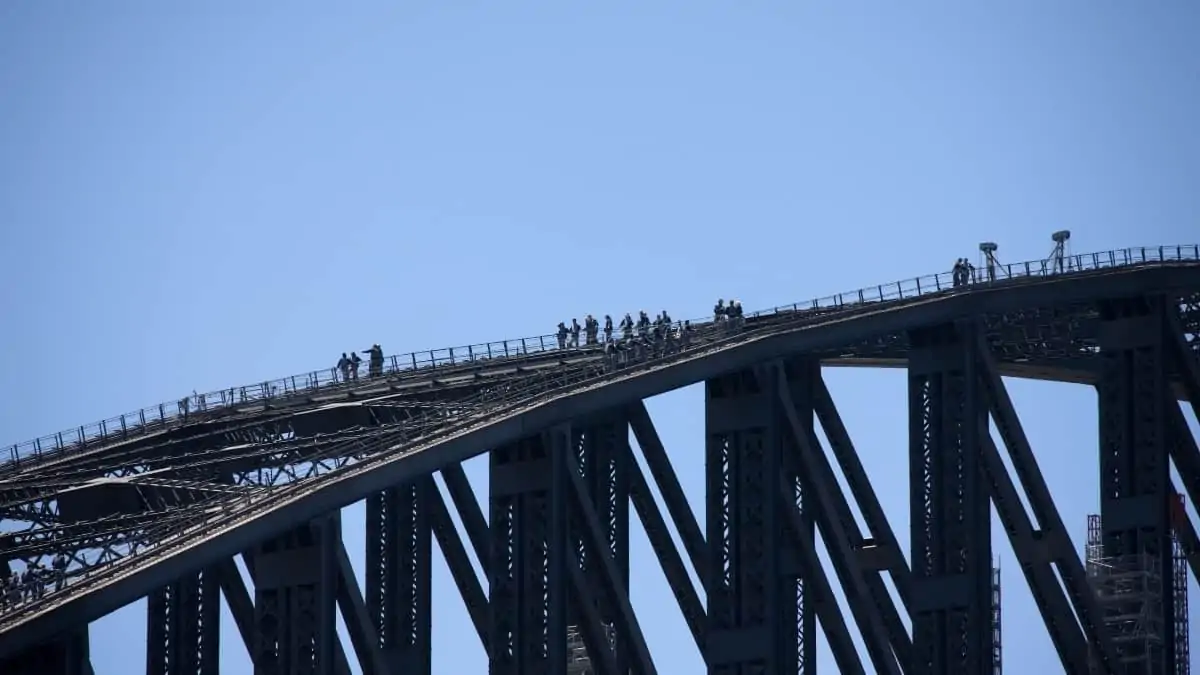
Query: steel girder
x=295, y=601
x=552, y=556
x=527, y=572
x=760, y=608
x=602, y=454
x=183, y=626
x=1135, y=485
x=400, y=576
x=950, y=512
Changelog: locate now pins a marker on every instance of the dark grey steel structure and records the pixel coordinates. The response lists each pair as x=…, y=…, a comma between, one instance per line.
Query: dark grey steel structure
x=157, y=503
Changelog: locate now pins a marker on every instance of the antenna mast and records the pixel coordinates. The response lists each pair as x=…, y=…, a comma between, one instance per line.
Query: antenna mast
x=990, y=262
x=1060, y=251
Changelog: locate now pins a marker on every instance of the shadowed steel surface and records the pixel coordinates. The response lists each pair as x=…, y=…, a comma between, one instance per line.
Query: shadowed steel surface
x=158, y=503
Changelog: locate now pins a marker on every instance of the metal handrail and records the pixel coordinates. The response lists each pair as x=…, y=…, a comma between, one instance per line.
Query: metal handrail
x=389, y=444
x=328, y=380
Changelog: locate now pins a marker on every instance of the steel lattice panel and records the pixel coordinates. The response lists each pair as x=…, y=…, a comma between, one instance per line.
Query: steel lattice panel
x=756, y=618
x=295, y=589
x=183, y=626
x=399, y=575
x=951, y=522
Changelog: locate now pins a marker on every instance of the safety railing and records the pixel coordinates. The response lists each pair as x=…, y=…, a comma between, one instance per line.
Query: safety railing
x=420, y=363
x=431, y=427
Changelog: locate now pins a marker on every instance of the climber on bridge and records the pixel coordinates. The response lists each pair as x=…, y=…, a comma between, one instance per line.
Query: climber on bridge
x=562, y=335
x=574, y=333
x=733, y=312
x=59, y=565
x=961, y=272
x=343, y=365
x=719, y=311
x=643, y=324
x=627, y=327
x=608, y=328
x=374, y=360
x=610, y=354
x=590, y=330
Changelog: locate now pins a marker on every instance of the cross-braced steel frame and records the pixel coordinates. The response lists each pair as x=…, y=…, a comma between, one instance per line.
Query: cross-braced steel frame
x=542, y=564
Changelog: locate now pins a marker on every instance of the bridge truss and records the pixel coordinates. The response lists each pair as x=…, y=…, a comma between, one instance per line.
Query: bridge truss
x=157, y=503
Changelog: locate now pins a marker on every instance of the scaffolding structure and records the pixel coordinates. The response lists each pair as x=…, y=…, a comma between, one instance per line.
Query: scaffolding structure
x=1130, y=593
x=578, y=661
x=1179, y=570
x=997, y=664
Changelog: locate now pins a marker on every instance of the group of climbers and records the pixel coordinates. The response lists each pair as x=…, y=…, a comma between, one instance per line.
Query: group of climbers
x=644, y=327
x=30, y=584
x=731, y=315
x=963, y=272
x=348, y=365
x=647, y=338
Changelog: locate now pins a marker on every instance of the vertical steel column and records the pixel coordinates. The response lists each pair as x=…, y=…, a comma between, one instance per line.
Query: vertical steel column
x=399, y=575
x=183, y=626
x=295, y=601
x=950, y=512
x=754, y=622
x=526, y=570
x=805, y=632
x=1135, y=492
x=602, y=453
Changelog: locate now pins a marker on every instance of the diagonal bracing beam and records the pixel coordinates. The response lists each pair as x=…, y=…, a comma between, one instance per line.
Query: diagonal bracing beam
x=1185, y=360
x=668, y=556
x=881, y=553
x=455, y=554
x=1034, y=556
x=469, y=510
x=655, y=525
x=882, y=535
x=1183, y=450
x=1038, y=549
x=613, y=586
x=664, y=476
x=828, y=613
x=838, y=529
x=358, y=621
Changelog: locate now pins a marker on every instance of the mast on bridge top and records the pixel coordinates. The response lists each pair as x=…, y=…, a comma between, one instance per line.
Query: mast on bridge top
x=990, y=262
x=1060, y=251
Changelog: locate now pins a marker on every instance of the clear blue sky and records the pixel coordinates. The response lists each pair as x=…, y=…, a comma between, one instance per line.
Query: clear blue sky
x=194, y=195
